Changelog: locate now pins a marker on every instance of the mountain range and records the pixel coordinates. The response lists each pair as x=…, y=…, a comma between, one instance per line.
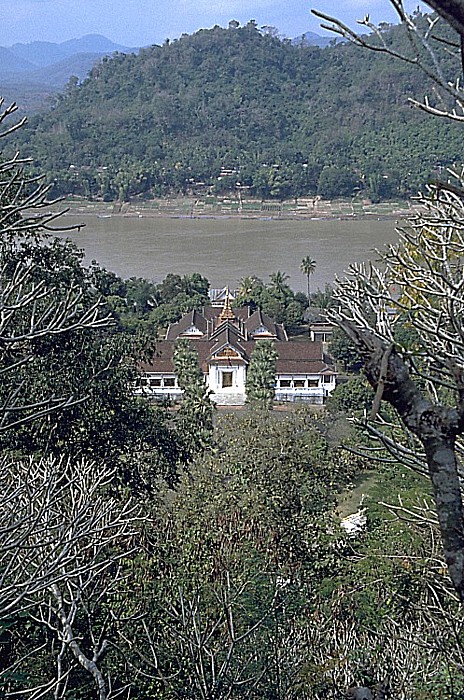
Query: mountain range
x=47, y=63
x=222, y=106
x=32, y=73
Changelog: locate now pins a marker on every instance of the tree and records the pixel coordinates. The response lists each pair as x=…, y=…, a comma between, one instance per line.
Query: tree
x=308, y=267
x=230, y=574
x=279, y=281
x=35, y=304
x=61, y=529
x=260, y=380
x=422, y=50
x=61, y=544
x=250, y=291
x=195, y=416
x=343, y=350
x=423, y=383
x=350, y=397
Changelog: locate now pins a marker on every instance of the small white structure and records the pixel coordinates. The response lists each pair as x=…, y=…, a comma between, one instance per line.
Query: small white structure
x=356, y=523
x=321, y=330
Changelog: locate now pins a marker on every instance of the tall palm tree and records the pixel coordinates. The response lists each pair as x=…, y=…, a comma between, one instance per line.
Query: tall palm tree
x=307, y=267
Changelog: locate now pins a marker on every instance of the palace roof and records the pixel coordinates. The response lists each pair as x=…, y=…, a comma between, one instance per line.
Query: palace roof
x=228, y=336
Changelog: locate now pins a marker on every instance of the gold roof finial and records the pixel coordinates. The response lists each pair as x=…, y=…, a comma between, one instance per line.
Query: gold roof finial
x=227, y=312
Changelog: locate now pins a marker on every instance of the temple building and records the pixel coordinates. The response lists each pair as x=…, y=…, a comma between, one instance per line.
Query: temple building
x=224, y=338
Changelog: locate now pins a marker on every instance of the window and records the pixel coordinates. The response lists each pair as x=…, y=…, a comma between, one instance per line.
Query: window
x=193, y=330
x=227, y=379
x=285, y=383
x=313, y=382
x=327, y=378
x=299, y=383
x=169, y=381
x=155, y=381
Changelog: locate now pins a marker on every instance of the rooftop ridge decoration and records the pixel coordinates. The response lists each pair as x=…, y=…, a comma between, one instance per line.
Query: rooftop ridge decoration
x=227, y=312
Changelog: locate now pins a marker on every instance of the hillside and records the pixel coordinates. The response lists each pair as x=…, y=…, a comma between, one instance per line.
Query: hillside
x=226, y=105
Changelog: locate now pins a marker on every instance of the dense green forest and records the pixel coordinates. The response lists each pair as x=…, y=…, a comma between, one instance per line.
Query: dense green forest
x=239, y=105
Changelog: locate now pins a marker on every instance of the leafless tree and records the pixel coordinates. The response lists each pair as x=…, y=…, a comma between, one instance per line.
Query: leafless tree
x=30, y=309
x=62, y=536
x=397, y=658
x=424, y=44
x=206, y=647
x=424, y=381
x=62, y=533
x=420, y=287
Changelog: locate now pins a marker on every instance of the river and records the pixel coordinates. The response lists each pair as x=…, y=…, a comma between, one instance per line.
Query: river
x=227, y=249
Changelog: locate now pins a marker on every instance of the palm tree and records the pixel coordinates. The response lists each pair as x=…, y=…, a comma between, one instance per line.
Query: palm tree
x=248, y=290
x=279, y=280
x=307, y=267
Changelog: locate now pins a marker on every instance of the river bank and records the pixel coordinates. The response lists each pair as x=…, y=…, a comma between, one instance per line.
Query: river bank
x=211, y=208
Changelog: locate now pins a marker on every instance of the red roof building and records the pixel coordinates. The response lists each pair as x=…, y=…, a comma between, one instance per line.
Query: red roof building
x=225, y=339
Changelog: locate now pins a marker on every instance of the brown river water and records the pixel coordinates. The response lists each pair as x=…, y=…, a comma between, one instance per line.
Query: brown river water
x=227, y=249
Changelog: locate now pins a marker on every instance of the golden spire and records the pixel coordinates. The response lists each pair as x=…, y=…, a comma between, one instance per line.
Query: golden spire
x=226, y=312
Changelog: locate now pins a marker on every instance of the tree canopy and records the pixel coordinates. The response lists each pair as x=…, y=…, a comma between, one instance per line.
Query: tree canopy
x=240, y=105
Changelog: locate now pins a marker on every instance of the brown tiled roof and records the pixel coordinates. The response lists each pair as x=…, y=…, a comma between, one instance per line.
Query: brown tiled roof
x=259, y=318
x=292, y=357
x=192, y=318
x=215, y=329
x=162, y=360
x=229, y=336
x=301, y=358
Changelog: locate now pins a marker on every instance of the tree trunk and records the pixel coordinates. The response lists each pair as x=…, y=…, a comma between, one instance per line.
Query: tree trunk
x=436, y=426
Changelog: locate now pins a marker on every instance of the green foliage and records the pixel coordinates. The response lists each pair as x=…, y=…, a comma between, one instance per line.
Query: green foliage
x=260, y=380
x=352, y=396
x=236, y=552
x=343, y=350
x=323, y=299
x=286, y=120
x=194, y=419
x=276, y=298
x=337, y=181
x=141, y=306
x=308, y=267
x=89, y=371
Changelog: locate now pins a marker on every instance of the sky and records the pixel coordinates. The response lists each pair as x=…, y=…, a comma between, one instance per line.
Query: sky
x=135, y=23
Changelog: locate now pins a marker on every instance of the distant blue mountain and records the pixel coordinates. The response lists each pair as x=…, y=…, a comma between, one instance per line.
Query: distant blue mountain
x=45, y=53
x=9, y=63
x=57, y=75
x=31, y=73
x=312, y=39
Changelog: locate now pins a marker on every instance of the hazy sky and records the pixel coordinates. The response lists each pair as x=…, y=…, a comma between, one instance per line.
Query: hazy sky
x=144, y=22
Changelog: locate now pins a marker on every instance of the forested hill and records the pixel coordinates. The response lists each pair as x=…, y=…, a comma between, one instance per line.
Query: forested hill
x=236, y=104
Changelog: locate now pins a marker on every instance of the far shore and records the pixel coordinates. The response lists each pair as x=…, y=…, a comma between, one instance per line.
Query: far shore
x=198, y=208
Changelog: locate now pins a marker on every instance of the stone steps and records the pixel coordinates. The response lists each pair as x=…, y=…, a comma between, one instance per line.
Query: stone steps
x=228, y=399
